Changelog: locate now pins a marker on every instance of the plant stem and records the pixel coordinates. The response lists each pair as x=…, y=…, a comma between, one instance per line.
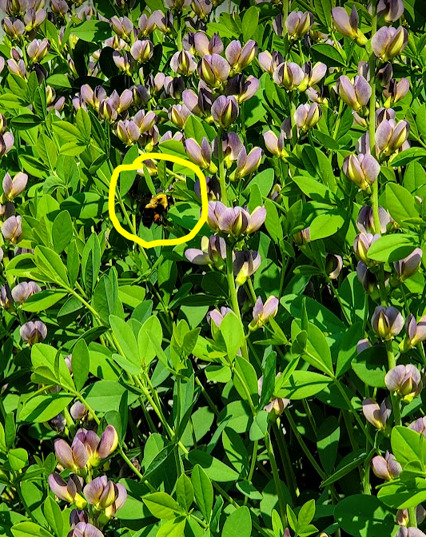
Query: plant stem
x=222, y=181
x=372, y=122
x=412, y=517
x=394, y=399
x=281, y=499
x=233, y=292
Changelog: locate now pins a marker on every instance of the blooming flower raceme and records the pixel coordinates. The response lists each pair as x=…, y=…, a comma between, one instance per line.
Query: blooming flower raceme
x=33, y=332
x=375, y=414
x=405, y=381
x=234, y=221
x=213, y=252
x=389, y=42
x=68, y=491
x=405, y=268
x=386, y=467
x=263, y=312
x=387, y=322
x=348, y=24
x=361, y=169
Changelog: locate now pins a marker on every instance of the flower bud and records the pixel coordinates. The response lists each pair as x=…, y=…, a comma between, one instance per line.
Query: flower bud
x=6, y=299
x=14, y=28
x=366, y=277
x=408, y=266
x=263, y=312
x=386, y=467
x=225, y=111
x=217, y=316
x=108, y=442
x=240, y=57
x=269, y=62
x=390, y=136
x=405, y=381
x=416, y=331
x=387, y=322
x=299, y=23
x=247, y=163
x=348, y=24
x=375, y=414
x=12, y=229
x=333, y=265
x=201, y=155
x=83, y=529
x=389, y=42
x=365, y=220
x=128, y=132
x=356, y=94
x=362, y=243
x=361, y=169
x=33, y=332
x=78, y=411
x=275, y=144
x=390, y=10
x=142, y=51
x=24, y=290
x=6, y=143
x=179, y=114
x=245, y=265
x=307, y=116
x=14, y=187
x=288, y=75
x=38, y=49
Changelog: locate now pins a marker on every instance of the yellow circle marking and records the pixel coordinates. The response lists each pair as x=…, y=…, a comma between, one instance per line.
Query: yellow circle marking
x=136, y=165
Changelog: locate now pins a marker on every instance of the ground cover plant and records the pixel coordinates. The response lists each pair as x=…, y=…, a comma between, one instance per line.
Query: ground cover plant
x=264, y=379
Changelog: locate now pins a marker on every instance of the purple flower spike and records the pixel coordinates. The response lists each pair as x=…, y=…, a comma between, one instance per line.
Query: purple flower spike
x=389, y=42
x=387, y=322
x=375, y=414
x=225, y=111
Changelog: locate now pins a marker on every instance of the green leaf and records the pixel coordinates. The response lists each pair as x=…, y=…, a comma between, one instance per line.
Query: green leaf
x=184, y=492
x=18, y=458
x=238, y=523
x=126, y=339
x=147, y=351
x=323, y=10
x=325, y=225
x=245, y=379
x=214, y=468
x=250, y=22
x=91, y=262
x=400, y=203
x=62, y=231
x=203, y=491
x=236, y=451
x=51, y=265
x=44, y=407
x=29, y=529
x=327, y=54
x=390, y=248
x=80, y=363
x=408, y=445
x=173, y=528
x=259, y=426
x=104, y=395
x=372, y=518
x=232, y=332
x=43, y=300
x=370, y=366
x=53, y=515
x=302, y=384
x=162, y=505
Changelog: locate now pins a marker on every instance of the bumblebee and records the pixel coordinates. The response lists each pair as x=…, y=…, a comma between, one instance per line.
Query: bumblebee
x=155, y=211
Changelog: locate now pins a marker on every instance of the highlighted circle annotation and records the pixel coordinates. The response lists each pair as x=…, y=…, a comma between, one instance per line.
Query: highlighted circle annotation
x=137, y=165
